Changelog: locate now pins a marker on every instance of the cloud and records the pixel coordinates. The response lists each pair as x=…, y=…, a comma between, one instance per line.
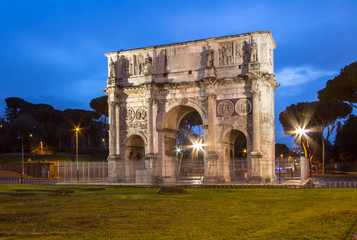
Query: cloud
x=292, y=76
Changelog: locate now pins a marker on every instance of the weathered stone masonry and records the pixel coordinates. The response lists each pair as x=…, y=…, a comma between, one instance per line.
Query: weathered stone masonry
x=228, y=80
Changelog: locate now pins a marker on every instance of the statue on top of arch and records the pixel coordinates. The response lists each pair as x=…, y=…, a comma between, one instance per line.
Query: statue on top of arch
x=148, y=65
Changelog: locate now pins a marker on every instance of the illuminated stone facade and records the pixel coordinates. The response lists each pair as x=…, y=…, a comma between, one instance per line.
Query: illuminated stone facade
x=228, y=80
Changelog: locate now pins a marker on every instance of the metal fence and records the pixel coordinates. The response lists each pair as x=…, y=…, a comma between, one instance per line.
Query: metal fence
x=85, y=172
x=28, y=181
x=142, y=172
x=287, y=169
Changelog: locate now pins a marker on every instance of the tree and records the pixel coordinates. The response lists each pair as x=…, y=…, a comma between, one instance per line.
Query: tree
x=299, y=115
x=23, y=126
x=281, y=150
x=100, y=105
x=326, y=116
x=316, y=117
x=345, y=141
x=342, y=88
x=16, y=106
x=54, y=128
x=3, y=129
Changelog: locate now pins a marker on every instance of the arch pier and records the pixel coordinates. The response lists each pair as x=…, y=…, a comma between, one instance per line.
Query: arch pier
x=228, y=82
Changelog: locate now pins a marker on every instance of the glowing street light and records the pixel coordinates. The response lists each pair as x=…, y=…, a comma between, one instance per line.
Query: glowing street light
x=197, y=145
x=178, y=150
x=302, y=132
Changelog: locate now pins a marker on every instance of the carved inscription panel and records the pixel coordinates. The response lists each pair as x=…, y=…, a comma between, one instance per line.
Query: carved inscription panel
x=170, y=146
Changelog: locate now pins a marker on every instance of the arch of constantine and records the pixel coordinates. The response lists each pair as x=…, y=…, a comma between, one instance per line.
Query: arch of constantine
x=228, y=81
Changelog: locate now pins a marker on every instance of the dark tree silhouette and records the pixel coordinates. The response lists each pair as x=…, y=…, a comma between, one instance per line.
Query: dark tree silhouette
x=342, y=88
x=52, y=127
x=282, y=149
x=100, y=105
x=345, y=141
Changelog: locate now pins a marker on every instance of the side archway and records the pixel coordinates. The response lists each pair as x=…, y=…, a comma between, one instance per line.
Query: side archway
x=236, y=154
x=134, y=157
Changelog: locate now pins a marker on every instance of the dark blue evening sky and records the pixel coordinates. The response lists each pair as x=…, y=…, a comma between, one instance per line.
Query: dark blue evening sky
x=53, y=51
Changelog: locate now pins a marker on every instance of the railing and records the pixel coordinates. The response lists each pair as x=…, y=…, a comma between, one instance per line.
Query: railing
x=69, y=172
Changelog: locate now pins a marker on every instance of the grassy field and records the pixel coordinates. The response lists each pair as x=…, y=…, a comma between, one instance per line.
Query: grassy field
x=142, y=213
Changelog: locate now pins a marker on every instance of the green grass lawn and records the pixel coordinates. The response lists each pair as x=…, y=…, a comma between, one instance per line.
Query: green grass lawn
x=142, y=213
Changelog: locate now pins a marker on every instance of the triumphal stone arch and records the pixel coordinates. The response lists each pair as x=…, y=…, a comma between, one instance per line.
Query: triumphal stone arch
x=228, y=80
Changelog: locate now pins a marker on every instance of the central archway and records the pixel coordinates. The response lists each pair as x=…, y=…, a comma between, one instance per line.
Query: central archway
x=190, y=143
x=182, y=155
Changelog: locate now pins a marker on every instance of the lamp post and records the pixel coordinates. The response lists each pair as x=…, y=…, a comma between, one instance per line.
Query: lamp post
x=302, y=132
x=22, y=155
x=32, y=147
x=77, y=170
x=22, y=158
x=179, y=154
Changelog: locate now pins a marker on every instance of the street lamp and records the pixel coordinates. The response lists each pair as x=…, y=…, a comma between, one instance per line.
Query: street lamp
x=179, y=151
x=304, y=163
x=77, y=170
x=301, y=132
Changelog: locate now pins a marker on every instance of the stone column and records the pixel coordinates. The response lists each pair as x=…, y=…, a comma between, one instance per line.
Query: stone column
x=112, y=115
x=112, y=132
x=211, y=157
x=150, y=126
x=155, y=135
x=117, y=128
x=255, y=164
x=256, y=122
x=211, y=122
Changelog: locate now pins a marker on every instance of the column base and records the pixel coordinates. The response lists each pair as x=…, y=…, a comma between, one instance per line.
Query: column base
x=211, y=179
x=112, y=169
x=112, y=179
x=260, y=180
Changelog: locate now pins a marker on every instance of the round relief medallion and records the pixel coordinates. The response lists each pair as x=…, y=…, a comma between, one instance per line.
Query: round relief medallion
x=128, y=115
x=141, y=114
x=243, y=106
x=225, y=108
